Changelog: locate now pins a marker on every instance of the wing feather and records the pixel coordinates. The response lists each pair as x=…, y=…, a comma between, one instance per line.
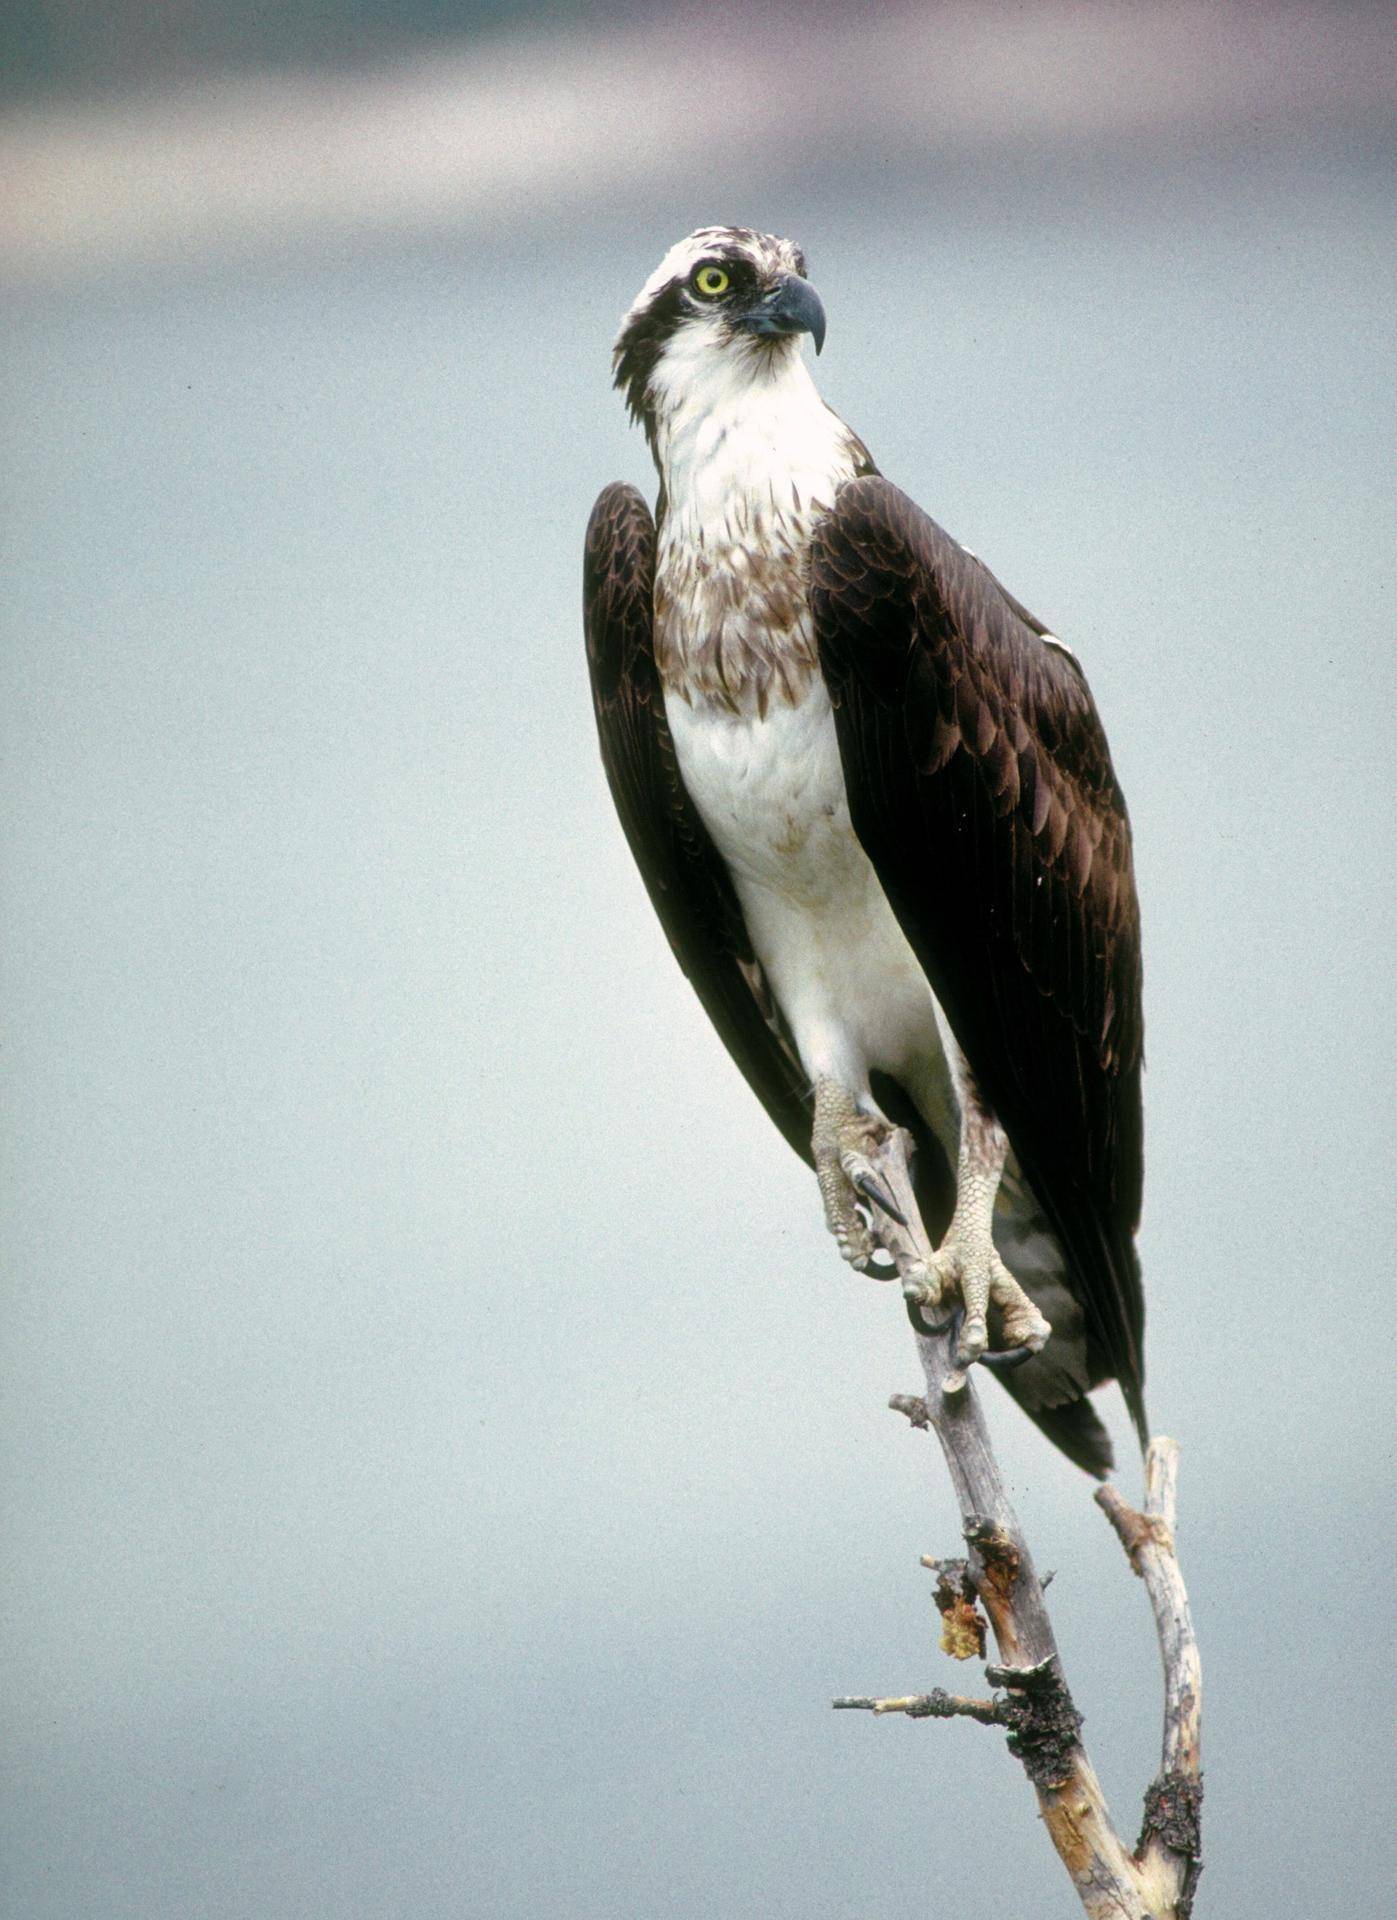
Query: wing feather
x=981, y=787
x=684, y=875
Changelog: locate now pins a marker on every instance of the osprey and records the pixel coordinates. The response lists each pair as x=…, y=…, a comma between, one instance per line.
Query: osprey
x=874, y=808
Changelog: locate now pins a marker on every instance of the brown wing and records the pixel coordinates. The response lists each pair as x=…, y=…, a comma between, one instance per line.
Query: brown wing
x=683, y=873
x=980, y=786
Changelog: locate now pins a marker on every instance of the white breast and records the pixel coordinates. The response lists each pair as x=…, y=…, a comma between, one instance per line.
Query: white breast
x=749, y=468
x=771, y=793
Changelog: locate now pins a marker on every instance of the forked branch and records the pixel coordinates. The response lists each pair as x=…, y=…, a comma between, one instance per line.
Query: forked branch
x=1157, y=1880
x=1169, y=1851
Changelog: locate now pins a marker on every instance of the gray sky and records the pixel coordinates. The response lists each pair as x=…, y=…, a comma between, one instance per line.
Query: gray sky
x=445, y=1462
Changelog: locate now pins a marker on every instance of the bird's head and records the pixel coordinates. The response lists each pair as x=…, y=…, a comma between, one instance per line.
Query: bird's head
x=725, y=307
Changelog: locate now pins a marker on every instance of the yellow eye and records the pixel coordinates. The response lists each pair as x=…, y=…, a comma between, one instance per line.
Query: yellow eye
x=711, y=281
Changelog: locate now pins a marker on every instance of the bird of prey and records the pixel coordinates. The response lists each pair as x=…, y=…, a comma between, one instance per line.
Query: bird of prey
x=873, y=805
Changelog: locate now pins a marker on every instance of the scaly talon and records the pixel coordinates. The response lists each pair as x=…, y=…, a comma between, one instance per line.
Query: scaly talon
x=840, y=1145
x=966, y=1269
x=1000, y=1359
x=967, y=1264
x=965, y=1273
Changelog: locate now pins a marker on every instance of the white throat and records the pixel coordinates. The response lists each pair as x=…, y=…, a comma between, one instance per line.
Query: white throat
x=741, y=424
x=750, y=457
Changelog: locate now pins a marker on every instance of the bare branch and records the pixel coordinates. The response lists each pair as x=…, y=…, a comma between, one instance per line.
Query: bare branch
x=1036, y=1707
x=936, y=1705
x=1170, y=1845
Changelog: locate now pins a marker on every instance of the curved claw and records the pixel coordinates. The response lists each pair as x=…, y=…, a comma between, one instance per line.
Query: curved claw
x=878, y=1265
x=997, y=1359
x=1004, y=1360
x=877, y=1195
x=932, y=1329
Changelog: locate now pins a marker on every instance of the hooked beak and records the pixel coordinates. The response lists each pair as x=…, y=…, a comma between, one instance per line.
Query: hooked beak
x=794, y=307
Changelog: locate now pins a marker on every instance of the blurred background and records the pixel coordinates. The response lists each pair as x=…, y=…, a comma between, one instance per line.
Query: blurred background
x=445, y=1463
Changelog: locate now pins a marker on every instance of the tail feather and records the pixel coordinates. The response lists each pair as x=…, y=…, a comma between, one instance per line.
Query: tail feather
x=1075, y=1428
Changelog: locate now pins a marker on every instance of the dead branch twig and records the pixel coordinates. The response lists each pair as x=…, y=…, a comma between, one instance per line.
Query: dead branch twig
x=1169, y=1849
x=1157, y=1881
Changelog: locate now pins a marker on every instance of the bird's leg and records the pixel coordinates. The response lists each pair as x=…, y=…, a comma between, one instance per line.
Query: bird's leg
x=967, y=1263
x=843, y=1142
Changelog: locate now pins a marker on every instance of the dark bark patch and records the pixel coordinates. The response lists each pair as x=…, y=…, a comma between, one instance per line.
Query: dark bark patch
x=1042, y=1721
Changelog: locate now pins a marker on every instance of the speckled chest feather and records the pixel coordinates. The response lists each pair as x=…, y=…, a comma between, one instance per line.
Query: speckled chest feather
x=749, y=466
x=732, y=616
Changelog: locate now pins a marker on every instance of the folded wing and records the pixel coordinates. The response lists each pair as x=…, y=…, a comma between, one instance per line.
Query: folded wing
x=981, y=787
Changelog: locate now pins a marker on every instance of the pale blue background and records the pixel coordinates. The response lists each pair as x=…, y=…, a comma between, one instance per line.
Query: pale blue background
x=446, y=1467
